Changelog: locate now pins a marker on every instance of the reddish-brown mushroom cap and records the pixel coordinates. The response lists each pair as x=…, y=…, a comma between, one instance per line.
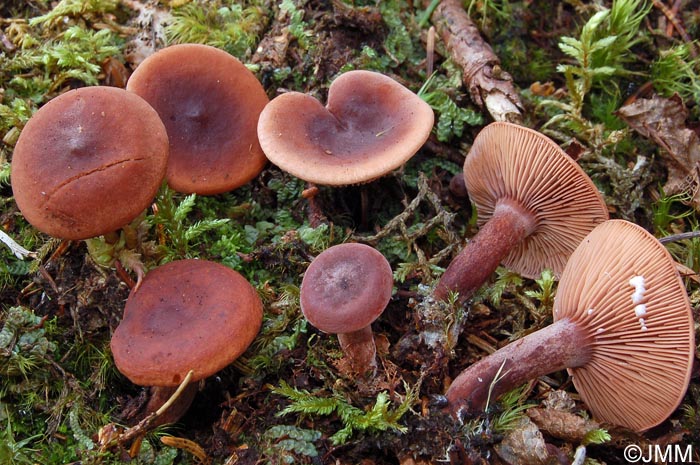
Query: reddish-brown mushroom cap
x=187, y=315
x=511, y=162
x=88, y=162
x=210, y=104
x=345, y=288
x=370, y=126
x=622, y=286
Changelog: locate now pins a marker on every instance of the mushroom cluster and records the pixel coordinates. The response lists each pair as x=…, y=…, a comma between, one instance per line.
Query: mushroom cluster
x=622, y=327
x=91, y=160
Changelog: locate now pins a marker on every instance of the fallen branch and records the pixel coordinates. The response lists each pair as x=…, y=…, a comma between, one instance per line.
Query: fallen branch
x=488, y=84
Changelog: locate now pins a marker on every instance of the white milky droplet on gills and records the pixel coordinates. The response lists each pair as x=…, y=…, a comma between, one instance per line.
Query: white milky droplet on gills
x=642, y=324
x=637, y=282
x=637, y=297
x=639, y=289
x=640, y=309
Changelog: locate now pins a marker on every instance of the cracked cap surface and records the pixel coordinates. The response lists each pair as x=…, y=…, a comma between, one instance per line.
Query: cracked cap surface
x=88, y=162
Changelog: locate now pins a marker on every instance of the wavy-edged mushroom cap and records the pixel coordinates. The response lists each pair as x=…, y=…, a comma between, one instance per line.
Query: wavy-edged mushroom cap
x=210, y=104
x=508, y=161
x=370, y=125
x=345, y=288
x=636, y=310
x=88, y=162
x=187, y=315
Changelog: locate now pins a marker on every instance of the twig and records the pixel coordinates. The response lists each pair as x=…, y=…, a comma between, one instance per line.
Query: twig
x=475, y=340
x=680, y=237
x=488, y=84
x=144, y=425
x=19, y=251
x=579, y=456
x=672, y=16
x=430, y=51
x=499, y=376
x=190, y=446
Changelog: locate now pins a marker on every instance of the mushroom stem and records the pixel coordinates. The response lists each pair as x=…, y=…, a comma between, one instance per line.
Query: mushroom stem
x=509, y=225
x=360, y=350
x=563, y=344
x=167, y=407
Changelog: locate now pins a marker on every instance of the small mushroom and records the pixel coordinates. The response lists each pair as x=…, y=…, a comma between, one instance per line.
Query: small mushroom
x=188, y=315
x=622, y=327
x=88, y=162
x=370, y=125
x=345, y=288
x=534, y=203
x=210, y=104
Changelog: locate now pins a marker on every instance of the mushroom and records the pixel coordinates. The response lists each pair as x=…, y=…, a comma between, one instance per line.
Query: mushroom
x=345, y=288
x=622, y=327
x=88, y=162
x=370, y=125
x=210, y=103
x=534, y=203
x=188, y=315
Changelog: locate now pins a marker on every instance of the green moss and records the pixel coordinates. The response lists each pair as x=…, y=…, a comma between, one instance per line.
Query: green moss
x=228, y=25
x=676, y=71
x=59, y=384
x=379, y=417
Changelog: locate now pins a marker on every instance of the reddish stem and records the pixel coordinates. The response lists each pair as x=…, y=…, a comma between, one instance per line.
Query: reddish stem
x=360, y=350
x=161, y=394
x=563, y=344
x=509, y=225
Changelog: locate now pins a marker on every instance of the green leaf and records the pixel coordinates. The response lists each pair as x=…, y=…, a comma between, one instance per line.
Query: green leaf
x=571, y=47
x=184, y=208
x=600, y=44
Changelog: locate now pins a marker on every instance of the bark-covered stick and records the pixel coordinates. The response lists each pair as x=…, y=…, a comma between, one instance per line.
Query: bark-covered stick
x=489, y=85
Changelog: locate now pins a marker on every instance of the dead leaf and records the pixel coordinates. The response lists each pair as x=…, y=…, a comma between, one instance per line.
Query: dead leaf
x=559, y=400
x=663, y=121
x=150, y=23
x=562, y=424
x=525, y=445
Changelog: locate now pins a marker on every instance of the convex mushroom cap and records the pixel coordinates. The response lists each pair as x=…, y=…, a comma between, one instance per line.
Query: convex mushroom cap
x=88, y=162
x=622, y=327
x=345, y=288
x=511, y=163
x=210, y=104
x=370, y=125
x=187, y=315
